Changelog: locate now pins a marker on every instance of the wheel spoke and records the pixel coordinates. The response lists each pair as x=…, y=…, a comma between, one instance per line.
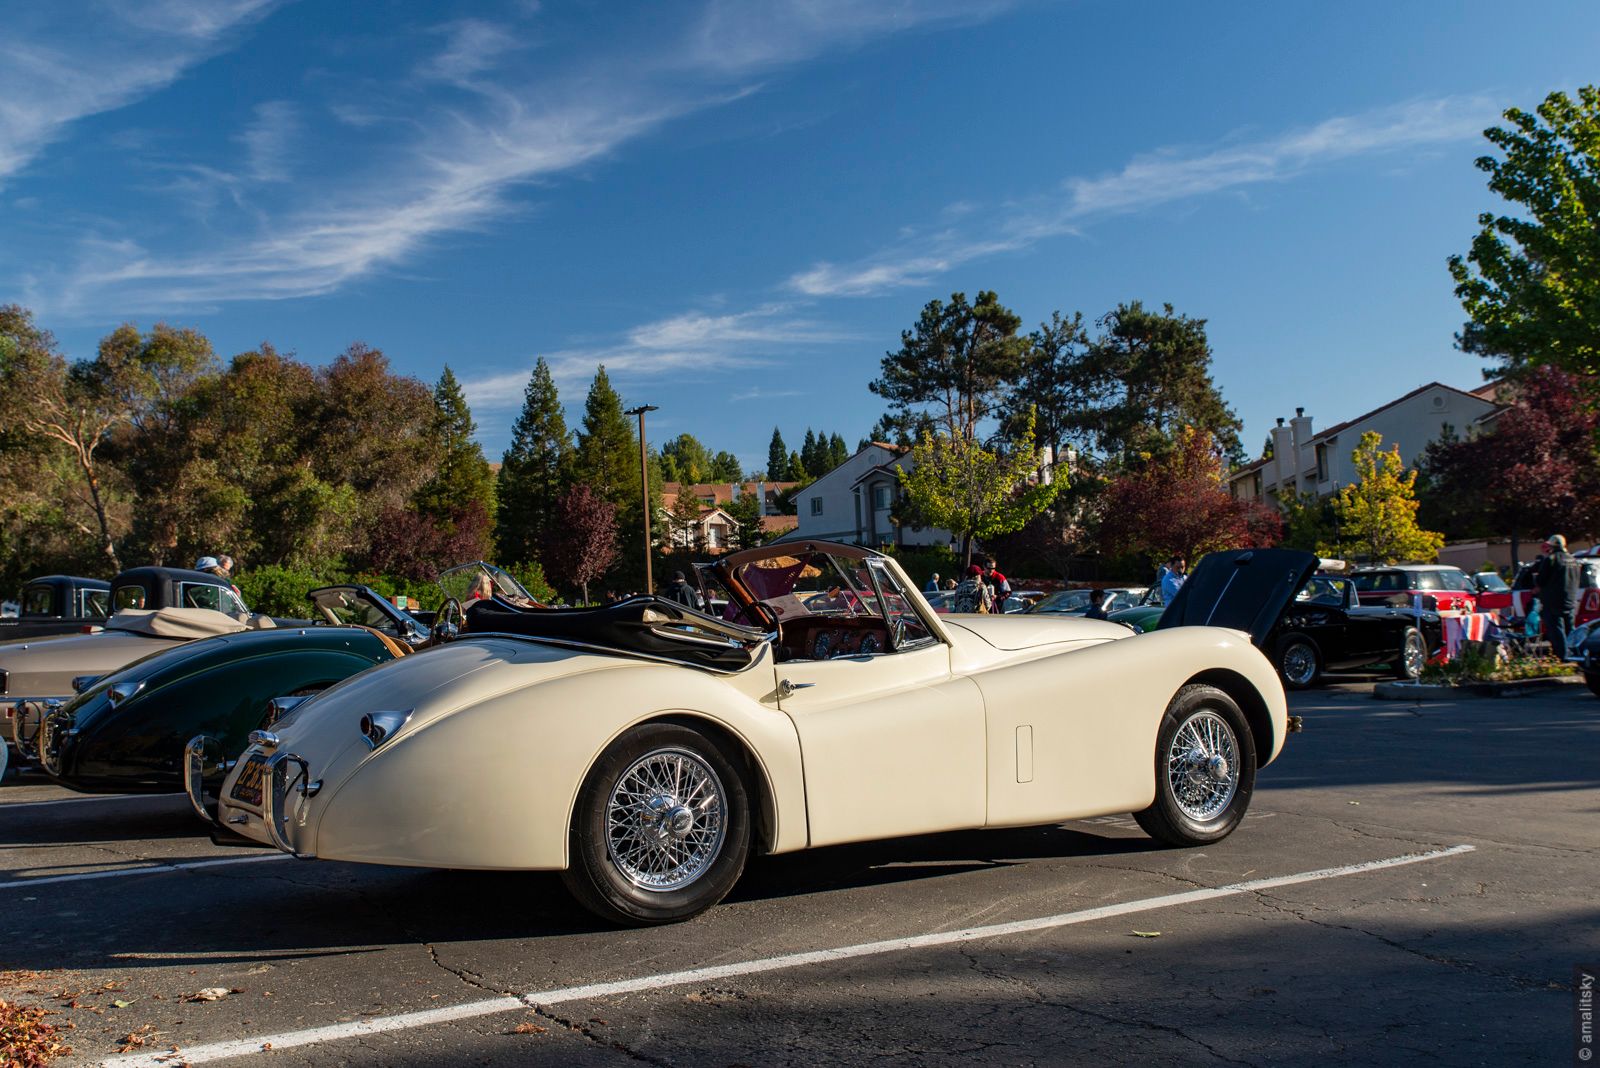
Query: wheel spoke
x=665, y=819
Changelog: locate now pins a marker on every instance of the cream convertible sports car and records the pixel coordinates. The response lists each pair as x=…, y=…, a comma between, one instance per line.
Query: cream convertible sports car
x=646, y=750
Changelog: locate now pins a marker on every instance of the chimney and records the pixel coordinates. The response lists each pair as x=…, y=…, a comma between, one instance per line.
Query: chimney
x=1301, y=427
x=1280, y=420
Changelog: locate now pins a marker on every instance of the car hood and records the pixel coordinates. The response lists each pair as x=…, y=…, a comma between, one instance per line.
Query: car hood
x=1242, y=589
x=1031, y=630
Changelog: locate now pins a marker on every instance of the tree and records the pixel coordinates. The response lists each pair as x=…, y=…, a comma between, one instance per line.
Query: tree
x=956, y=483
x=1530, y=285
x=533, y=471
x=1378, y=512
x=1175, y=504
x=463, y=480
x=796, y=471
x=414, y=545
x=725, y=467
x=952, y=366
x=837, y=452
x=1537, y=471
x=808, y=454
x=607, y=458
x=1145, y=378
x=777, y=458
x=685, y=520
x=584, y=543
x=56, y=407
x=1054, y=382
x=684, y=459
x=746, y=513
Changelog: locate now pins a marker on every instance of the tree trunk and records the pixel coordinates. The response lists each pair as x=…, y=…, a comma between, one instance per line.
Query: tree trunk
x=585, y=587
x=106, y=543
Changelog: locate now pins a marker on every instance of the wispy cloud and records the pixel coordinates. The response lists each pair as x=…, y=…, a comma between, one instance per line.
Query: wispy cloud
x=694, y=344
x=1148, y=181
x=463, y=165
x=268, y=141
x=111, y=55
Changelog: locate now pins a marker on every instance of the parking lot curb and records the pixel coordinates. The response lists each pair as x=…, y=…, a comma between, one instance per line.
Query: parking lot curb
x=1412, y=691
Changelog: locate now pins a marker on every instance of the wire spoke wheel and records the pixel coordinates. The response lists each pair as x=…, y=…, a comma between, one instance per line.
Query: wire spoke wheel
x=1412, y=655
x=1299, y=664
x=1203, y=766
x=666, y=820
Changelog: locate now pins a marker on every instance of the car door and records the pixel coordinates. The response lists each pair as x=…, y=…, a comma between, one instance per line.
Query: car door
x=892, y=742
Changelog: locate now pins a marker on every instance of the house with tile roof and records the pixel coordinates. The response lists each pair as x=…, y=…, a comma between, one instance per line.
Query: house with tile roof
x=715, y=528
x=1303, y=460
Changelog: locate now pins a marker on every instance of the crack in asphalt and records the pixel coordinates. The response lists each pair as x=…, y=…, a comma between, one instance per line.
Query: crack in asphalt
x=583, y=1028
x=1037, y=997
x=1520, y=982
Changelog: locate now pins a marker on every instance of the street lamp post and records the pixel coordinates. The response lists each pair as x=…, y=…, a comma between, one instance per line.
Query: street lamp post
x=644, y=491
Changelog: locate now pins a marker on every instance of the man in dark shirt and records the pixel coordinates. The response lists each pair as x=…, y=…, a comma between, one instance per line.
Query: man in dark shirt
x=682, y=592
x=1556, y=576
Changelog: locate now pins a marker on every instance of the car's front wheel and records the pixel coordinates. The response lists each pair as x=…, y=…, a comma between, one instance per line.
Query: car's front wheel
x=1592, y=678
x=1205, y=769
x=661, y=830
x=1299, y=663
x=1413, y=655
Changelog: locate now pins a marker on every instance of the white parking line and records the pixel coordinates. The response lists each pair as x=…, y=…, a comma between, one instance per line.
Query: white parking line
x=156, y=867
x=217, y=1051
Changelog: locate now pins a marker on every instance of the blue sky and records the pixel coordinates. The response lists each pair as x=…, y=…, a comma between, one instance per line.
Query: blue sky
x=737, y=206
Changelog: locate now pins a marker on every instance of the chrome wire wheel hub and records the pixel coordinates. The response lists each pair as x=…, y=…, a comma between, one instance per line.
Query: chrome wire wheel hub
x=1299, y=663
x=1414, y=657
x=1203, y=766
x=666, y=820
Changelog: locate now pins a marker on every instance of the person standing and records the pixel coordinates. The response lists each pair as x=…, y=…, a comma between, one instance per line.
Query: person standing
x=973, y=594
x=999, y=585
x=933, y=584
x=1556, y=576
x=682, y=592
x=1172, y=578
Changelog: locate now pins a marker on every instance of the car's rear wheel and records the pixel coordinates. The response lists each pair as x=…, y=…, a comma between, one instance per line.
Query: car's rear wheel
x=661, y=830
x=1299, y=663
x=1413, y=655
x=1205, y=769
x=1592, y=679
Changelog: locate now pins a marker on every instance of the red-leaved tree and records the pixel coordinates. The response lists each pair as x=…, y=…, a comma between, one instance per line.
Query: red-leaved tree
x=1176, y=505
x=1535, y=473
x=407, y=544
x=583, y=538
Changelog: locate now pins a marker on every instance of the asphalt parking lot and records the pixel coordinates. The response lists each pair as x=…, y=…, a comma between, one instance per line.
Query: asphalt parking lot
x=1350, y=928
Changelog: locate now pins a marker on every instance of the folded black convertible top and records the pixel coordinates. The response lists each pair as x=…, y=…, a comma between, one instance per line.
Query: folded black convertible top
x=642, y=626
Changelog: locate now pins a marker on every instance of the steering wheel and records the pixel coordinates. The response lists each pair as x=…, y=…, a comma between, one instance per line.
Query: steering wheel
x=447, y=622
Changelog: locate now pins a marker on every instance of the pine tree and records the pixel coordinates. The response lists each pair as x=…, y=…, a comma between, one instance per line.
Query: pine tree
x=838, y=453
x=607, y=459
x=777, y=458
x=808, y=453
x=533, y=472
x=795, y=470
x=463, y=481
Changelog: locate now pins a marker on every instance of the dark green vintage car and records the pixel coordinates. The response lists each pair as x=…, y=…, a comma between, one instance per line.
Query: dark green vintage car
x=127, y=731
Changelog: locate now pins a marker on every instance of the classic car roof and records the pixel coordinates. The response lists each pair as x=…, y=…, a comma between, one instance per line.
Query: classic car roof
x=84, y=583
x=139, y=575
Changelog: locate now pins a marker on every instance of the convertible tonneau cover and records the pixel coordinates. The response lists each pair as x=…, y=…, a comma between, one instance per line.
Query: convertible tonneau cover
x=184, y=623
x=642, y=626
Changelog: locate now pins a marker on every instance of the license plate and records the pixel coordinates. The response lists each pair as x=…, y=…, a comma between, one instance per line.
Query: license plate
x=247, y=787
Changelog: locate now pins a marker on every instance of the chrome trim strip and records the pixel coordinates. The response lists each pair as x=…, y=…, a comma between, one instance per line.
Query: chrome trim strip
x=276, y=785
x=194, y=765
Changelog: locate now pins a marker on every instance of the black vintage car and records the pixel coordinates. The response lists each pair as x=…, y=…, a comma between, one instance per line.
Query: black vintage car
x=58, y=604
x=1326, y=628
x=174, y=587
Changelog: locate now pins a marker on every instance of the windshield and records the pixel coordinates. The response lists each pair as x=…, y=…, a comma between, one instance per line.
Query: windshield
x=347, y=605
x=1322, y=590
x=1488, y=580
x=479, y=581
x=128, y=597
x=810, y=584
x=1066, y=601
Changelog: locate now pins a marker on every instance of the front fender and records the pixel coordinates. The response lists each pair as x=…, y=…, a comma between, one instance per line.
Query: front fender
x=492, y=784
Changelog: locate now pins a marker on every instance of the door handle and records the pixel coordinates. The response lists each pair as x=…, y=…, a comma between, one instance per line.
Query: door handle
x=787, y=688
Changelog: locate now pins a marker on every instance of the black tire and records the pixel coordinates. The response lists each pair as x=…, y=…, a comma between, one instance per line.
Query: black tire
x=598, y=879
x=1413, y=654
x=1173, y=820
x=1295, y=650
x=1592, y=680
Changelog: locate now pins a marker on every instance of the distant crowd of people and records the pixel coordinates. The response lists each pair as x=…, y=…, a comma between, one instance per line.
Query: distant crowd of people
x=984, y=589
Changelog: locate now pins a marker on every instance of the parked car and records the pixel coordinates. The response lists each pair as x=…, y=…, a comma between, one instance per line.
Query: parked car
x=646, y=750
x=1087, y=601
x=1325, y=628
x=1583, y=648
x=1518, y=601
x=58, y=604
x=1443, y=588
x=127, y=731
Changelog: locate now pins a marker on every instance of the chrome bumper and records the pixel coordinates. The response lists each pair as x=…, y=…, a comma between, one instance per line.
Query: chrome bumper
x=201, y=755
x=286, y=790
x=26, y=715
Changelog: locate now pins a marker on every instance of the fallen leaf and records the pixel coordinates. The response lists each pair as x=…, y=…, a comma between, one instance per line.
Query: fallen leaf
x=120, y=1004
x=210, y=993
x=1147, y=934
x=528, y=1029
